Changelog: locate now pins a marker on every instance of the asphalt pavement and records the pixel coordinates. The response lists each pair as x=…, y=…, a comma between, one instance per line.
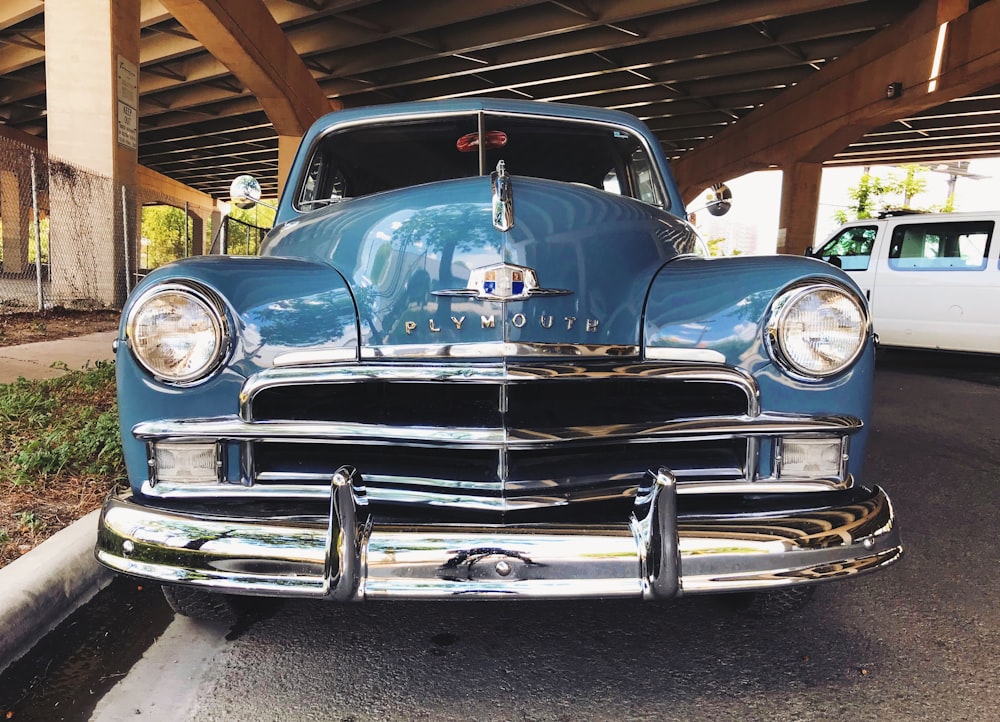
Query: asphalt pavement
x=41, y=588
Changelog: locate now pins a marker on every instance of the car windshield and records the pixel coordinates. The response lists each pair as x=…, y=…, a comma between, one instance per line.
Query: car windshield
x=358, y=161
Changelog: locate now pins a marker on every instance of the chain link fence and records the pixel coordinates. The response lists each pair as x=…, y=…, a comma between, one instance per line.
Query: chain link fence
x=105, y=239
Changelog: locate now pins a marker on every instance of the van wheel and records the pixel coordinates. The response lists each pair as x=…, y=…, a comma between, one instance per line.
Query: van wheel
x=198, y=604
x=776, y=603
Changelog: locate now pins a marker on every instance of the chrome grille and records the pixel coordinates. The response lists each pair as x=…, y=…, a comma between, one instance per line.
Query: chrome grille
x=499, y=436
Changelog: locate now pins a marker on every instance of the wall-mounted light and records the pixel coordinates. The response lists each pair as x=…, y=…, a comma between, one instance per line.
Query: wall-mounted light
x=893, y=91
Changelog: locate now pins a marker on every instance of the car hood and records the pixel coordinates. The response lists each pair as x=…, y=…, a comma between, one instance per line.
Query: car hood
x=412, y=258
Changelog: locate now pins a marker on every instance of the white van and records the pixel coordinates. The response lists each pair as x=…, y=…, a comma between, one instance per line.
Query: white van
x=932, y=278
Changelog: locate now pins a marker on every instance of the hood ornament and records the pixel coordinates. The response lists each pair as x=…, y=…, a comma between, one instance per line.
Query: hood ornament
x=503, y=282
x=503, y=198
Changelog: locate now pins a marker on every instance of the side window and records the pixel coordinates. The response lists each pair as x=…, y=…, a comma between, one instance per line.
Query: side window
x=954, y=246
x=611, y=184
x=322, y=184
x=851, y=249
x=643, y=179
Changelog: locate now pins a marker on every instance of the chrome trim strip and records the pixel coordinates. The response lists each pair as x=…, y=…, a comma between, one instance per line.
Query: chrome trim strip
x=231, y=428
x=290, y=477
x=293, y=557
x=752, y=459
x=317, y=356
x=498, y=373
x=427, y=497
x=497, y=349
x=663, y=353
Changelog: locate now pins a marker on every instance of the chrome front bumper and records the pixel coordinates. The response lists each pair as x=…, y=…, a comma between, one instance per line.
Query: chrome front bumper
x=347, y=557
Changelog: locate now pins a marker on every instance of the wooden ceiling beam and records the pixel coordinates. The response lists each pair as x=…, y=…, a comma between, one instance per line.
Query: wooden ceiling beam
x=244, y=36
x=826, y=112
x=13, y=12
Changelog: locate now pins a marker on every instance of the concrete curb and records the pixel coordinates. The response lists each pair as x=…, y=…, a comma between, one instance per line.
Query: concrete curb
x=43, y=587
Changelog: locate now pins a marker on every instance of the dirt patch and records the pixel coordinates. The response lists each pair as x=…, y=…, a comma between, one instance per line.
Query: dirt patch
x=30, y=515
x=28, y=327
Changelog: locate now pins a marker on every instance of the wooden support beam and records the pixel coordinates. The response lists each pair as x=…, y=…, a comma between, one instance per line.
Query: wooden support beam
x=836, y=106
x=157, y=185
x=32, y=141
x=244, y=36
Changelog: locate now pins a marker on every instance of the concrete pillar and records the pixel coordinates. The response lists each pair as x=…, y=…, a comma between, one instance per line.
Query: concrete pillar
x=92, y=96
x=217, y=244
x=15, y=214
x=197, y=234
x=799, y=205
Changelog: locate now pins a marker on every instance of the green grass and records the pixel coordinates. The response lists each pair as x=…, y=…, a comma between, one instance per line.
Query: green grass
x=64, y=428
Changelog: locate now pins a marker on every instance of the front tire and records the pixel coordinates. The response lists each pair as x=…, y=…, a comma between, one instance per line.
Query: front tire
x=198, y=604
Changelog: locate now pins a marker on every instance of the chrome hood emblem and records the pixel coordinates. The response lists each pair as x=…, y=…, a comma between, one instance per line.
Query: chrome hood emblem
x=503, y=198
x=503, y=282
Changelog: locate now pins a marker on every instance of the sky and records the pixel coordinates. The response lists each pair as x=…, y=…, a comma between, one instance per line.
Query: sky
x=751, y=226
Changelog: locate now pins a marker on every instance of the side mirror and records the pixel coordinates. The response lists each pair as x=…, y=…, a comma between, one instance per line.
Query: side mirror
x=245, y=191
x=809, y=252
x=720, y=200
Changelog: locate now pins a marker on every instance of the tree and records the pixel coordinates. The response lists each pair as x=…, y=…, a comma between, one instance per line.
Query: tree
x=719, y=247
x=163, y=235
x=873, y=193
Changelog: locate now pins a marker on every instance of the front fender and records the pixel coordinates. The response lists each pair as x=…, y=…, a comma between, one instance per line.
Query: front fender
x=722, y=306
x=273, y=307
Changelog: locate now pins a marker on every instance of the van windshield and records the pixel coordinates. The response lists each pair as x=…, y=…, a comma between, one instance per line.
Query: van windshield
x=851, y=249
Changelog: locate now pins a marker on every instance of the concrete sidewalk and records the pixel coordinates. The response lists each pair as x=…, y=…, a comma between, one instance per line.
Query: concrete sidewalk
x=35, y=360
x=44, y=586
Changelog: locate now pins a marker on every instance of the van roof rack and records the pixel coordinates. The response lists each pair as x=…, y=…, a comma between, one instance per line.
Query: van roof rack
x=890, y=212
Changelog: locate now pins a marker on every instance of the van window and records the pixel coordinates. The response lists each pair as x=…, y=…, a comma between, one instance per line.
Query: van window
x=851, y=249
x=940, y=246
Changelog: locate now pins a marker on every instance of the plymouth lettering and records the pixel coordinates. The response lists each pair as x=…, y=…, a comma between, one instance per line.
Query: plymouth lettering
x=518, y=320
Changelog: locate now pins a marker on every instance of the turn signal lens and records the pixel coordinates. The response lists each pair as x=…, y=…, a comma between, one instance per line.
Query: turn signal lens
x=810, y=458
x=176, y=463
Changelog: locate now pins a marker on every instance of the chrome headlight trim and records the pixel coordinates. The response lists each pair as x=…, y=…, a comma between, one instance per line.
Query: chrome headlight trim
x=813, y=358
x=214, y=332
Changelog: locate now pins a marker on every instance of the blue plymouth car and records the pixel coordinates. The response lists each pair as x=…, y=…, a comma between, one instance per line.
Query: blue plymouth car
x=483, y=355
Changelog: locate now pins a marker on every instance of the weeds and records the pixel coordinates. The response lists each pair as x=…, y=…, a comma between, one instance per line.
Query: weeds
x=28, y=522
x=60, y=453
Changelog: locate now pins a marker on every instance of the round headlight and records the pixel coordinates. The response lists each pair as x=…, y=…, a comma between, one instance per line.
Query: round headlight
x=177, y=333
x=817, y=330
